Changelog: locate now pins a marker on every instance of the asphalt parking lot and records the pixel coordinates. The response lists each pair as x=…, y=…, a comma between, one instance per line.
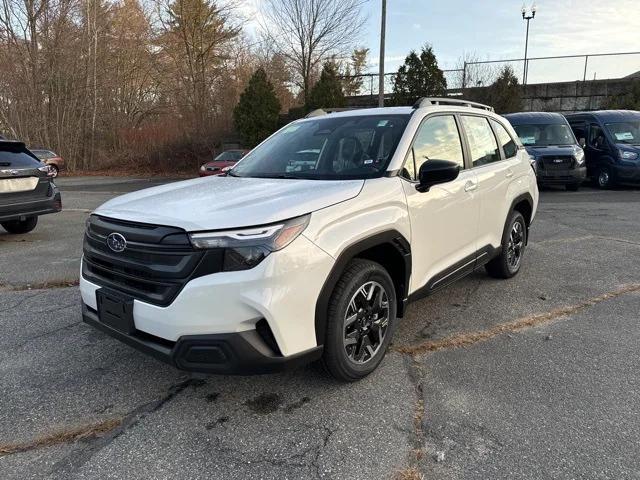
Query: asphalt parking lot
x=535, y=377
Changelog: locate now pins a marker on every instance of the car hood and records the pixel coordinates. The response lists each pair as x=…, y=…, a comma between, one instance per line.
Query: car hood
x=213, y=203
x=628, y=148
x=551, y=150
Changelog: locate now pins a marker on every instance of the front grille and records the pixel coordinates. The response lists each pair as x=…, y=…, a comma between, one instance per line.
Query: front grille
x=556, y=162
x=155, y=265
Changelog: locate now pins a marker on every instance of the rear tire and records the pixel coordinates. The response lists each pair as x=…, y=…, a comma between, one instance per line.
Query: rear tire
x=20, y=226
x=514, y=240
x=360, y=322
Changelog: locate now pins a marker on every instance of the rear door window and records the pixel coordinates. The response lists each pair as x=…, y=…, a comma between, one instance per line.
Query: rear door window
x=508, y=145
x=16, y=157
x=482, y=142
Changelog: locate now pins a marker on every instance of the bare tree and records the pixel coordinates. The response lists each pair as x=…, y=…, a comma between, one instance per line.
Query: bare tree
x=308, y=32
x=471, y=73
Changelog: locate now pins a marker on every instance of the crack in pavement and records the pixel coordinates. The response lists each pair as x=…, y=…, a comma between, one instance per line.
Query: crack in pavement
x=584, y=238
x=416, y=435
x=21, y=302
x=49, y=332
x=76, y=459
x=466, y=339
x=62, y=436
x=47, y=285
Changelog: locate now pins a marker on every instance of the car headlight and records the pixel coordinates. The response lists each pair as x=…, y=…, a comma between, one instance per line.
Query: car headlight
x=247, y=247
x=578, y=154
x=627, y=155
x=202, y=168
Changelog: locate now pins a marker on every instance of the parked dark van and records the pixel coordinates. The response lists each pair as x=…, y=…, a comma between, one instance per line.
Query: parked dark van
x=557, y=156
x=612, y=145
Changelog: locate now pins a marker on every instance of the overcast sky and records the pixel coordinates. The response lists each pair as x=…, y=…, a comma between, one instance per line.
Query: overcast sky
x=494, y=29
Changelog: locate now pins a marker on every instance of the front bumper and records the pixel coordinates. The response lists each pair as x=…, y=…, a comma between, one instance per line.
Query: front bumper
x=562, y=177
x=32, y=207
x=229, y=307
x=241, y=353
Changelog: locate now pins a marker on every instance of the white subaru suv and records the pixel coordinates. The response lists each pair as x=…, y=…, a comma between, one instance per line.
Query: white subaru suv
x=315, y=242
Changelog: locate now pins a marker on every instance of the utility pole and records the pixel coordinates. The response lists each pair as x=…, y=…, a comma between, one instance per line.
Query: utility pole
x=526, y=42
x=383, y=25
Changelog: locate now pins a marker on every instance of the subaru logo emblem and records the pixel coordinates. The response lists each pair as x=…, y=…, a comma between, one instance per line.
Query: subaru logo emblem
x=14, y=172
x=116, y=242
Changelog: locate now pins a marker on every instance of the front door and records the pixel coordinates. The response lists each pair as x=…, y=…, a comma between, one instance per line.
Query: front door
x=444, y=220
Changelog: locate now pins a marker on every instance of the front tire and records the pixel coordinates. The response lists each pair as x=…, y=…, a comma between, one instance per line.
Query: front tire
x=20, y=226
x=55, y=170
x=361, y=321
x=514, y=240
x=604, y=179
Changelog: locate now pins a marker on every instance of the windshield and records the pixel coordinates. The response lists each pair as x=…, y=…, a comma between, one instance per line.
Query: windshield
x=625, y=132
x=543, y=135
x=327, y=148
x=229, y=156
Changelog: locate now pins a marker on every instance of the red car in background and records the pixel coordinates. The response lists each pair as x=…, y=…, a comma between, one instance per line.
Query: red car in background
x=50, y=158
x=228, y=158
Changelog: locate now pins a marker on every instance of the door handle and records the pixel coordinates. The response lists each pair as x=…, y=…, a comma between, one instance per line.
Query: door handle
x=509, y=173
x=470, y=186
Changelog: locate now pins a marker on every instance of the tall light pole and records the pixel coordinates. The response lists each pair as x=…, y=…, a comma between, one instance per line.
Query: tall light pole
x=382, y=41
x=528, y=18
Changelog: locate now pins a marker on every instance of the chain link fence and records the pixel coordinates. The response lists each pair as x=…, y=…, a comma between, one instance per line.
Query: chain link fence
x=563, y=68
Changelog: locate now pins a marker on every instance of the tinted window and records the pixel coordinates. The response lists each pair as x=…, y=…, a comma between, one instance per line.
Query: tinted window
x=508, y=145
x=17, y=157
x=545, y=134
x=342, y=147
x=596, y=136
x=436, y=139
x=482, y=143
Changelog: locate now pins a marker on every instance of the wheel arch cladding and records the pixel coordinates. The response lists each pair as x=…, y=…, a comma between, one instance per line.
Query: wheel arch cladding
x=523, y=204
x=390, y=249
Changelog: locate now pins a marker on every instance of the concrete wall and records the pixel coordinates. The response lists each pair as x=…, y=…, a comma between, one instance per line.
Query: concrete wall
x=545, y=97
x=572, y=96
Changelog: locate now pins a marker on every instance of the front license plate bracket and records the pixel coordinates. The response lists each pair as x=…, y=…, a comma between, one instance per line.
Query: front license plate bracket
x=115, y=310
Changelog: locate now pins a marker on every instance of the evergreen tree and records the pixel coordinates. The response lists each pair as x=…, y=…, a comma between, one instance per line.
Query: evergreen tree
x=419, y=76
x=505, y=94
x=327, y=92
x=256, y=115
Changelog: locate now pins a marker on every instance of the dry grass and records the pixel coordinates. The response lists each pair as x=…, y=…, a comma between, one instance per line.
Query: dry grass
x=63, y=436
x=408, y=474
x=470, y=338
x=41, y=285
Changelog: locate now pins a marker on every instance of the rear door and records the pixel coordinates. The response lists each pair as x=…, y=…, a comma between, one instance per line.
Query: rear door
x=20, y=179
x=494, y=170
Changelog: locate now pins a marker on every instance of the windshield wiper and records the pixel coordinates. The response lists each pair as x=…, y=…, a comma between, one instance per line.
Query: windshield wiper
x=278, y=175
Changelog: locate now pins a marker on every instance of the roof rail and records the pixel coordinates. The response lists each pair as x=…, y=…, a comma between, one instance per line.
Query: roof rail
x=427, y=101
x=325, y=111
x=315, y=113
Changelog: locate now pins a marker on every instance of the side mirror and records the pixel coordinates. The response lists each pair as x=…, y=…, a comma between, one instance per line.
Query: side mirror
x=434, y=172
x=582, y=142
